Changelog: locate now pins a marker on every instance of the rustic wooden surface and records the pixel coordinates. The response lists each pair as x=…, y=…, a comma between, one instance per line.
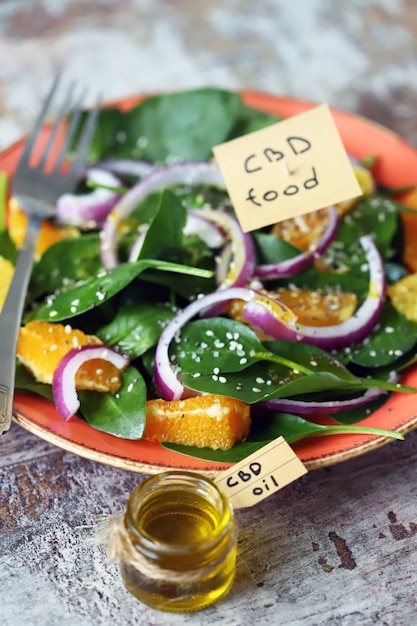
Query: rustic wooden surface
x=338, y=547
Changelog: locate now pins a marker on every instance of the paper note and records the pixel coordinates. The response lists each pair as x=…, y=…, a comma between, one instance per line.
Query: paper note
x=287, y=169
x=261, y=474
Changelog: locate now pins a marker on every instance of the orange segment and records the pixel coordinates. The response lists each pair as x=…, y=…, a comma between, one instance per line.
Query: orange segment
x=207, y=421
x=6, y=274
x=42, y=345
x=403, y=295
x=366, y=183
x=50, y=234
x=410, y=234
x=311, y=308
x=318, y=308
x=302, y=231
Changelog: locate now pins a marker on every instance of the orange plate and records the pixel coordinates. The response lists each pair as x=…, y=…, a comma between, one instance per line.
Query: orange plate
x=396, y=167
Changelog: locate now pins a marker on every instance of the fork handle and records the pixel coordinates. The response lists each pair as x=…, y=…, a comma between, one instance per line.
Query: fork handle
x=10, y=319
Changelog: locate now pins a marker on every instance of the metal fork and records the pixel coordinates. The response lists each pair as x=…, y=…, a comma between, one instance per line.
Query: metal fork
x=37, y=188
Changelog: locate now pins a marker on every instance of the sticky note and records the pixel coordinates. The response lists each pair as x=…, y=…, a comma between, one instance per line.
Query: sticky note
x=288, y=169
x=261, y=474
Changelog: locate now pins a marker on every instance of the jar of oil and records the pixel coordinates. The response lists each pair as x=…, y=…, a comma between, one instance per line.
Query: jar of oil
x=181, y=542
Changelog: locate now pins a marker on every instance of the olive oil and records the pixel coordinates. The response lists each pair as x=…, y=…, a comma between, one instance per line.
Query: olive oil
x=183, y=535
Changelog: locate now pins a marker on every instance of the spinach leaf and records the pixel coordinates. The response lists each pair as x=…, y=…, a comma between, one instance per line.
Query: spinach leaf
x=291, y=427
x=165, y=229
x=72, y=259
x=272, y=249
x=26, y=382
x=135, y=329
x=183, y=124
x=393, y=336
x=374, y=214
x=7, y=247
x=98, y=289
x=122, y=414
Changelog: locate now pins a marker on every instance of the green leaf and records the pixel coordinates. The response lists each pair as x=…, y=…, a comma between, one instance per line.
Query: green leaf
x=183, y=124
x=136, y=328
x=165, y=230
x=272, y=249
x=71, y=259
x=292, y=427
x=393, y=336
x=207, y=345
x=122, y=414
x=100, y=288
x=374, y=214
x=7, y=247
x=24, y=381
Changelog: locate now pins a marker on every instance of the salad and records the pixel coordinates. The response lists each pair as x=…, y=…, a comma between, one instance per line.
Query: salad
x=298, y=321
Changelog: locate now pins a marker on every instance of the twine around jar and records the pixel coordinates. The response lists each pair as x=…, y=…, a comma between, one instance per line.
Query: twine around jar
x=113, y=534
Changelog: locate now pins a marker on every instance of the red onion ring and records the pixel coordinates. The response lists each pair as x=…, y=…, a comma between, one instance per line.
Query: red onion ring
x=206, y=229
x=289, y=267
x=339, y=335
x=188, y=173
x=128, y=167
x=137, y=246
x=89, y=210
x=63, y=382
x=237, y=260
x=329, y=407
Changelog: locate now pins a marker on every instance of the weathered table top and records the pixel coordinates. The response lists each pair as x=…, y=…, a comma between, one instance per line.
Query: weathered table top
x=339, y=545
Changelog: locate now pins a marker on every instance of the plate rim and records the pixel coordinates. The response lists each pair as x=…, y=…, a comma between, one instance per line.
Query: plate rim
x=271, y=103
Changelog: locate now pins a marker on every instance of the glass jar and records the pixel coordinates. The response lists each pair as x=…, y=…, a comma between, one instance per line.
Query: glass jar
x=180, y=542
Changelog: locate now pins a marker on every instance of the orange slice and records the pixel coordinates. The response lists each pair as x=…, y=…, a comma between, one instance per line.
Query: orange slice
x=366, y=183
x=42, y=345
x=207, y=421
x=410, y=232
x=6, y=274
x=403, y=296
x=302, y=231
x=318, y=308
x=310, y=308
x=50, y=234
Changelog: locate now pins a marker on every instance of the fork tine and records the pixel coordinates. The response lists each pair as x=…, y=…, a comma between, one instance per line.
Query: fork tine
x=85, y=140
x=39, y=122
x=63, y=111
x=69, y=135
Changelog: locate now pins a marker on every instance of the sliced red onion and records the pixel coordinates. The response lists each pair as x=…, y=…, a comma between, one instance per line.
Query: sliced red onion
x=329, y=407
x=272, y=317
x=206, y=229
x=137, y=246
x=340, y=335
x=89, y=210
x=167, y=382
x=128, y=167
x=187, y=173
x=237, y=260
x=63, y=383
x=289, y=267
